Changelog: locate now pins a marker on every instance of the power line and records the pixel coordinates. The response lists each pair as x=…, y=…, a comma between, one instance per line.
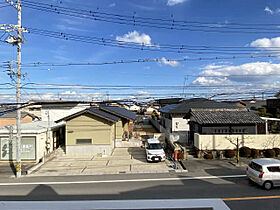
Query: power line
x=169, y=24
x=133, y=87
x=150, y=18
x=153, y=94
x=146, y=60
x=152, y=47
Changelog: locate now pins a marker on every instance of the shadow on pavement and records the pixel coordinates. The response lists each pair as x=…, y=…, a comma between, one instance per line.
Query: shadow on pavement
x=138, y=154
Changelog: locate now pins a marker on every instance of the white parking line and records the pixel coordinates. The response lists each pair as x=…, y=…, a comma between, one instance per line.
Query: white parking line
x=122, y=180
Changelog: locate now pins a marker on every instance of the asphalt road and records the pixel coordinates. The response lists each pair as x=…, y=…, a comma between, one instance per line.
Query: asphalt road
x=234, y=190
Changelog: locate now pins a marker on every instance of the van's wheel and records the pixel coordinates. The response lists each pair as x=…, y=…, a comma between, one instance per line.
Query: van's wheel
x=267, y=185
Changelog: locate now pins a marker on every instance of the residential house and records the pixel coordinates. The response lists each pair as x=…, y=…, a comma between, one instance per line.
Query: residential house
x=167, y=101
x=177, y=125
x=9, y=118
x=222, y=129
x=134, y=108
x=52, y=110
x=253, y=104
x=127, y=118
x=37, y=140
x=225, y=121
x=95, y=130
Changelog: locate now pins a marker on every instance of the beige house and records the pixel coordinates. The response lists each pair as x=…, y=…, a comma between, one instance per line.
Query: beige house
x=93, y=131
x=127, y=119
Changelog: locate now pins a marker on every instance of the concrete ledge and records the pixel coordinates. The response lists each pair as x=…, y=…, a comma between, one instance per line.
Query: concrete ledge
x=110, y=173
x=29, y=171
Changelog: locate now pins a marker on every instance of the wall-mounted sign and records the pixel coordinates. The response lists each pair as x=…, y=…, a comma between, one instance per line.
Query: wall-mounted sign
x=8, y=148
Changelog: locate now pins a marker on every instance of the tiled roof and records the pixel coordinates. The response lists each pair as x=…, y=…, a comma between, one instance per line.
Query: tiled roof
x=224, y=116
x=253, y=103
x=34, y=126
x=92, y=111
x=202, y=103
x=13, y=115
x=104, y=114
x=118, y=111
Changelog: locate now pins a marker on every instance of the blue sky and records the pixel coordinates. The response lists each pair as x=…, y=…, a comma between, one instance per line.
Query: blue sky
x=174, y=74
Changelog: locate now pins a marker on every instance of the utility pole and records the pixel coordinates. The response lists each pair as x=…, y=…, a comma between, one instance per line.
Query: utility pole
x=184, y=85
x=16, y=40
x=18, y=142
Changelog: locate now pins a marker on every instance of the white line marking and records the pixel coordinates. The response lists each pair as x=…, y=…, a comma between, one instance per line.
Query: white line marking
x=122, y=180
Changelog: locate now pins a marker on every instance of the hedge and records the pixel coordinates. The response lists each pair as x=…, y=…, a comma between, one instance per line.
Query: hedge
x=277, y=151
x=269, y=153
x=255, y=153
x=229, y=153
x=209, y=155
x=245, y=152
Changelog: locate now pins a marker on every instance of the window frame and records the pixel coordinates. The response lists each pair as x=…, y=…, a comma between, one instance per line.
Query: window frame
x=83, y=143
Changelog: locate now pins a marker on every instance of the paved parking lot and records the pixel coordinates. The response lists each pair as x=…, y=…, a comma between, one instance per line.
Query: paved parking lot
x=122, y=160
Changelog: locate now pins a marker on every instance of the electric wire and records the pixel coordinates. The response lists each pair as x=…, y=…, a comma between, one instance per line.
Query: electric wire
x=153, y=47
x=146, y=22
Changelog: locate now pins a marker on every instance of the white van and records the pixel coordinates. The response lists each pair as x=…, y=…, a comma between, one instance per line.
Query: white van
x=265, y=172
x=154, y=150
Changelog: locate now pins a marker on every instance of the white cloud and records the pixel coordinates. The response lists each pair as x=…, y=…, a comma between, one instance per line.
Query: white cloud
x=69, y=93
x=211, y=81
x=135, y=37
x=174, y=2
x=227, y=74
x=267, y=9
x=270, y=11
x=143, y=93
x=112, y=5
x=172, y=63
x=267, y=44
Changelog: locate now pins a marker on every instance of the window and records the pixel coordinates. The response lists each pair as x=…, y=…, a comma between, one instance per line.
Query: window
x=255, y=166
x=83, y=141
x=274, y=168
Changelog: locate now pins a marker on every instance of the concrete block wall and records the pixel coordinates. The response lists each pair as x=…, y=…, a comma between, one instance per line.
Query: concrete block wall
x=88, y=150
x=222, y=142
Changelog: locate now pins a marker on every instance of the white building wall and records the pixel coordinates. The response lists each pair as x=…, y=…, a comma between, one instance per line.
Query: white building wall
x=58, y=111
x=222, y=142
x=134, y=108
x=180, y=124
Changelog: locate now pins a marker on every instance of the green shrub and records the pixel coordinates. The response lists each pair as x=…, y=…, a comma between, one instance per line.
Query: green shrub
x=277, y=151
x=269, y=153
x=229, y=153
x=255, y=153
x=245, y=152
x=208, y=156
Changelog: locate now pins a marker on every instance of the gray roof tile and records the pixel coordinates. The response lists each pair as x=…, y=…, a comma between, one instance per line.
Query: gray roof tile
x=93, y=111
x=185, y=106
x=118, y=111
x=224, y=116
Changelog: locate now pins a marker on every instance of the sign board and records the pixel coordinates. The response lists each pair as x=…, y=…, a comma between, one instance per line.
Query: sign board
x=8, y=148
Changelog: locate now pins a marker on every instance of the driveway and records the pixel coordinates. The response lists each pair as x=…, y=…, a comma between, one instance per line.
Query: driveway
x=122, y=160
